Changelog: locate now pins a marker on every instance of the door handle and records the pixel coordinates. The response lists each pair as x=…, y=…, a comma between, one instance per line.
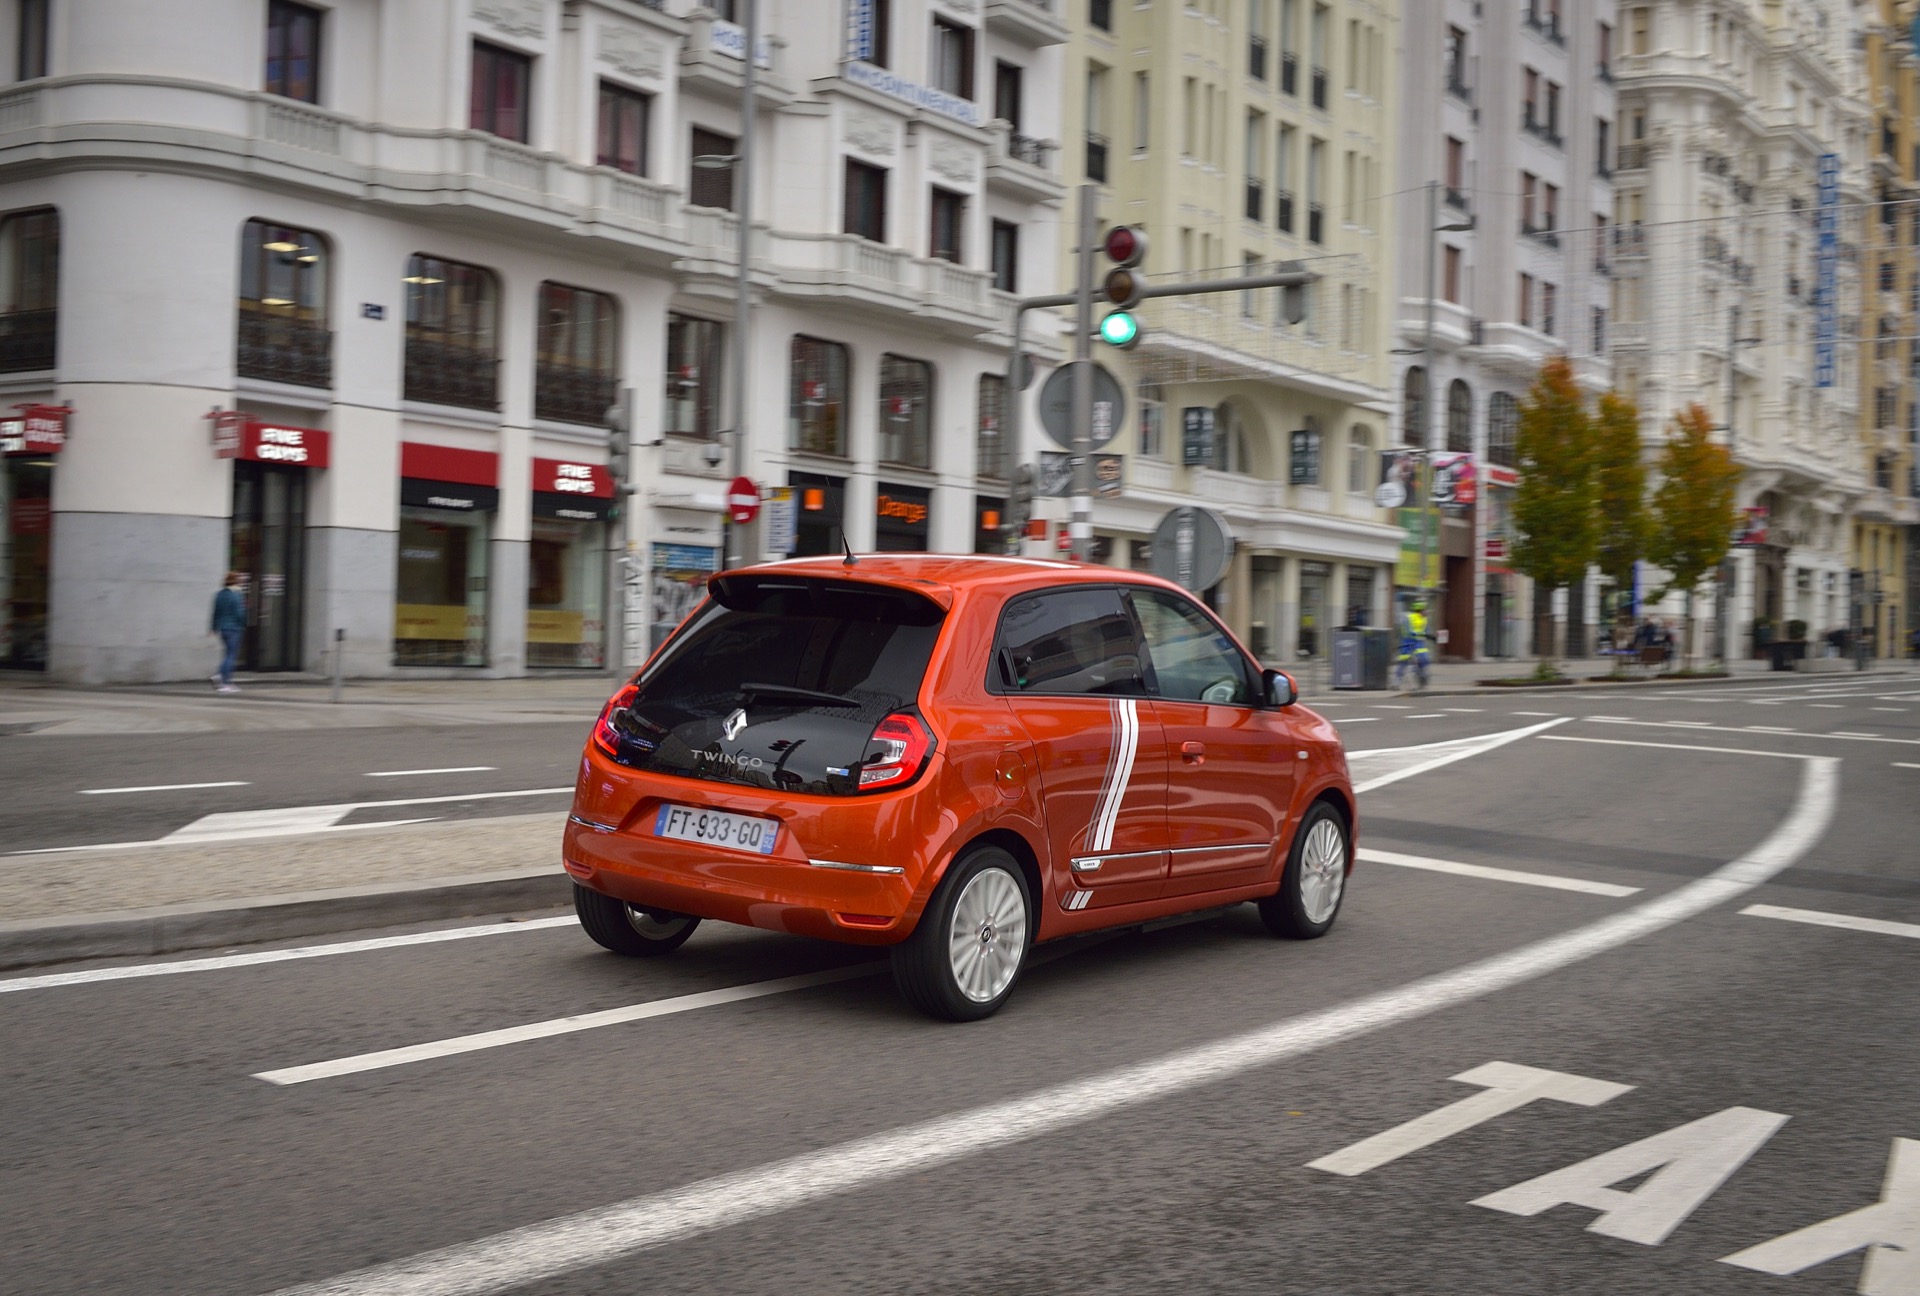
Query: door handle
x=1193, y=753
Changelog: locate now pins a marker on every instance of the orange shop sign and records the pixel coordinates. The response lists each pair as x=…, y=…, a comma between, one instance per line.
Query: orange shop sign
x=905, y=510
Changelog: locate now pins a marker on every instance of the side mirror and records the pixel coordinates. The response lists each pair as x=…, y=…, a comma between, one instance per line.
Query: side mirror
x=1280, y=688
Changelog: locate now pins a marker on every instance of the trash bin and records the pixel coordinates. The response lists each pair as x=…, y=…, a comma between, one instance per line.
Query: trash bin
x=1348, y=668
x=1376, y=659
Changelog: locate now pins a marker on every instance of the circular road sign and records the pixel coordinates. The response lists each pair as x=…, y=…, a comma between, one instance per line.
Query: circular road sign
x=1192, y=548
x=1390, y=494
x=1056, y=405
x=743, y=500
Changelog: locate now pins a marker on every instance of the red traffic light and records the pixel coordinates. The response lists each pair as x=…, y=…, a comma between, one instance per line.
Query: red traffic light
x=1125, y=245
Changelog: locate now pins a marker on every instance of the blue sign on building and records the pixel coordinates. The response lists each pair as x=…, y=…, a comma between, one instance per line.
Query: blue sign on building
x=1826, y=272
x=860, y=29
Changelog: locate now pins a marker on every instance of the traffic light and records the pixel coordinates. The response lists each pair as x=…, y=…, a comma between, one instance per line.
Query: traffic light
x=1126, y=247
x=619, y=420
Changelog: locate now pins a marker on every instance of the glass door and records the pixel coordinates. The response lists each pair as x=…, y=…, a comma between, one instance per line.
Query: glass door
x=268, y=549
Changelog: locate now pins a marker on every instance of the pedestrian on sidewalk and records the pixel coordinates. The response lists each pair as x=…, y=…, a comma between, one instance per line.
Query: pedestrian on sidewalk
x=229, y=623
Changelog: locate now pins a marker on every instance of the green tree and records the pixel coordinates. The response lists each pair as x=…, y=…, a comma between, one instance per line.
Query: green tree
x=1620, y=492
x=1553, y=508
x=1693, y=510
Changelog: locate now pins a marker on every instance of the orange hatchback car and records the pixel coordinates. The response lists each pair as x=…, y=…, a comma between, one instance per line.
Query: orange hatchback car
x=955, y=757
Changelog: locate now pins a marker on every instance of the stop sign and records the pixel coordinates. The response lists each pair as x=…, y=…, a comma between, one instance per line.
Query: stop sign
x=743, y=500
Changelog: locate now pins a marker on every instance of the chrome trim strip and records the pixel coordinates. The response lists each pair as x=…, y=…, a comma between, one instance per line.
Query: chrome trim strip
x=1091, y=863
x=856, y=868
x=1200, y=850
x=588, y=823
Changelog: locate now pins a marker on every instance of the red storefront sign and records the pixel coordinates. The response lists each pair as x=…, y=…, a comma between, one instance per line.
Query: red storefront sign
x=448, y=464
x=37, y=430
x=237, y=436
x=565, y=477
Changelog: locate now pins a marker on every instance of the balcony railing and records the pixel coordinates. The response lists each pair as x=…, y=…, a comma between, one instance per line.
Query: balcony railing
x=1096, y=157
x=1283, y=210
x=1631, y=157
x=1289, y=72
x=571, y=394
x=1457, y=86
x=443, y=373
x=1319, y=87
x=1257, y=57
x=1545, y=235
x=1457, y=200
x=1604, y=72
x=1256, y=200
x=1027, y=149
x=1548, y=26
x=27, y=340
x=279, y=348
x=1316, y=223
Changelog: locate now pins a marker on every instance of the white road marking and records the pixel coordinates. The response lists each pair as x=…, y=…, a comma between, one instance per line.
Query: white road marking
x=1536, y=713
x=1427, y=756
x=1368, y=855
x=1847, y=922
x=1889, y=1230
x=1628, y=742
x=1508, y=1088
x=1766, y=702
x=1465, y=710
x=451, y=769
x=1905, y=765
x=1346, y=720
x=160, y=787
x=1689, y=1163
x=1901, y=710
x=220, y=962
x=1698, y=728
x=562, y=1026
x=606, y=1234
x=1848, y=733
x=1426, y=715
x=1393, y=706
x=1768, y=728
x=1830, y=706
x=291, y=821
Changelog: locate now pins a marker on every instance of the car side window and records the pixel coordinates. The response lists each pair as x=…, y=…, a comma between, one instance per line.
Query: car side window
x=1069, y=641
x=1193, y=659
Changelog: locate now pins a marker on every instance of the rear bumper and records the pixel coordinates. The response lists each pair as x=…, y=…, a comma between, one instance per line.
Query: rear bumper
x=777, y=893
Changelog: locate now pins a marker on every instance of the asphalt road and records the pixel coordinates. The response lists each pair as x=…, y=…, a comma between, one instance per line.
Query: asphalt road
x=1190, y=1109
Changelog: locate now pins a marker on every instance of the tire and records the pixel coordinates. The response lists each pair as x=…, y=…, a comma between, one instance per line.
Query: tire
x=963, y=960
x=1315, y=881
x=637, y=933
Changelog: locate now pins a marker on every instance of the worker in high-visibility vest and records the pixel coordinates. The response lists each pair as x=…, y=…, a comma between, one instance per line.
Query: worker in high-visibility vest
x=1413, y=646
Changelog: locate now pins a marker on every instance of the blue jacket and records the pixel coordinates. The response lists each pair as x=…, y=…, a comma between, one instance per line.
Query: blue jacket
x=229, y=610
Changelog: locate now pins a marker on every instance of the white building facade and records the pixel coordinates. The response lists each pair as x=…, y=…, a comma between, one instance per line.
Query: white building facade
x=1508, y=112
x=337, y=296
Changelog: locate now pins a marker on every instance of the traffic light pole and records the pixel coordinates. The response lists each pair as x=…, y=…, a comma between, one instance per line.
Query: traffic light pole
x=738, y=535
x=1081, y=530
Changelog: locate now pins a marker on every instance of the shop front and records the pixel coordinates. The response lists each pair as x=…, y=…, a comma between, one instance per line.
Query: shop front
x=448, y=498
x=988, y=512
x=267, y=531
x=821, y=519
x=30, y=441
x=901, y=519
x=567, y=564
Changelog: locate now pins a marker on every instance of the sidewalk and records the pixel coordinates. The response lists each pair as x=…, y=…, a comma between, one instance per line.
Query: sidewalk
x=1457, y=678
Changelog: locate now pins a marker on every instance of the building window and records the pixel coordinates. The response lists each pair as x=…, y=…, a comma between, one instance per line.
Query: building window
x=293, y=48
x=710, y=186
x=952, y=67
x=1096, y=105
x=693, y=376
x=1640, y=33
x=1100, y=14
x=1231, y=452
x=30, y=244
x=906, y=410
x=1503, y=427
x=623, y=129
x=866, y=201
x=1413, y=407
x=1316, y=175
x=949, y=222
x=1457, y=64
x=1450, y=275
x=1303, y=454
x=498, y=100
x=879, y=39
x=1459, y=417
x=1549, y=324
x=1360, y=460
x=283, y=306
x=1153, y=421
x=1009, y=94
x=990, y=447
x=1526, y=300
x=1283, y=180
x=452, y=334
x=1142, y=112
x=1006, y=256
x=1599, y=330
x=575, y=374
x=817, y=401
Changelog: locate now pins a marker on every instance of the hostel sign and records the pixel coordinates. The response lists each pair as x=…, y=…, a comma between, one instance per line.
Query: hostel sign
x=36, y=430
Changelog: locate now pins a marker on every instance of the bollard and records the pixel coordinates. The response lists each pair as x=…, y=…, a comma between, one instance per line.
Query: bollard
x=339, y=664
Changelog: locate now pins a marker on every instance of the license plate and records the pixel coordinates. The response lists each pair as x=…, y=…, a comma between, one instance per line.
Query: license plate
x=716, y=828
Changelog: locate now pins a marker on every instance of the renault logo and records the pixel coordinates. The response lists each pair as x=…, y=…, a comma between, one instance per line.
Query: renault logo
x=734, y=723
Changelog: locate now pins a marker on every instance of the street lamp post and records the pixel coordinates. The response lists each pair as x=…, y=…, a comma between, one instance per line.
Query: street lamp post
x=1724, y=595
x=1424, y=440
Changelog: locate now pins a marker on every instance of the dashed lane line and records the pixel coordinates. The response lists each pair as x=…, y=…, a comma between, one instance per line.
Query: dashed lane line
x=1849, y=733
x=1551, y=881
x=162, y=787
x=1828, y=706
x=220, y=962
x=1753, y=729
x=1905, y=765
x=1426, y=715
x=1465, y=710
x=451, y=769
x=1536, y=713
x=1664, y=746
x=604, y=1235
x=1760, y=728
x=1815, y=918
x=1901, y=710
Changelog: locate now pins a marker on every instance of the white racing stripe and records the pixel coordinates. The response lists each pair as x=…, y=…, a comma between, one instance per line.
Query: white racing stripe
x=610, y=1233
x=255, y=958
x=1847, y=922
x=1491, y=874
x=1113, y=789
x=562, y=1025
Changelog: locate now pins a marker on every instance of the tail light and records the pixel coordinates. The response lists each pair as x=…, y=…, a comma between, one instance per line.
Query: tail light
x=904, y=745
x=605, y=737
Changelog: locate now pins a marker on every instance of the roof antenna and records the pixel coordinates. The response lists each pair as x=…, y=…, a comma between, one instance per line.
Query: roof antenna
x=849, y=560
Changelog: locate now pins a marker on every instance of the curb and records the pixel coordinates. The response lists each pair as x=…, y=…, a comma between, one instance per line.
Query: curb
x=1582, y=686
x=172, y=928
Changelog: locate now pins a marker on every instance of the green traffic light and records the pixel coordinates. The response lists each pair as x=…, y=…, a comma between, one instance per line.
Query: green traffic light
x=1120, y=329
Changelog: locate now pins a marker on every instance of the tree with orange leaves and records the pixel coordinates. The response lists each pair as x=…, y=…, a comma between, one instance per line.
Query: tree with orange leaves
x=1693, y=509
